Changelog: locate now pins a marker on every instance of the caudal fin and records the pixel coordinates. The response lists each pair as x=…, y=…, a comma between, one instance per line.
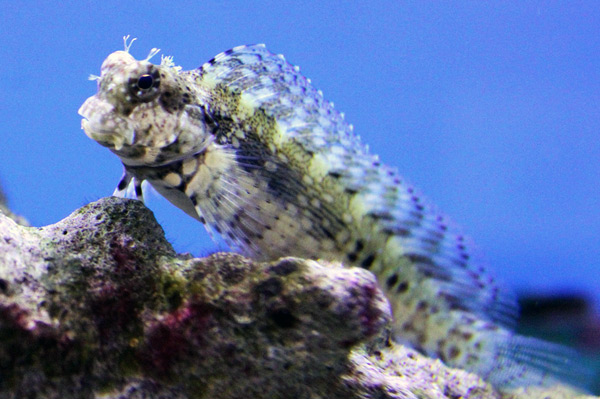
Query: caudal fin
x=525, y=361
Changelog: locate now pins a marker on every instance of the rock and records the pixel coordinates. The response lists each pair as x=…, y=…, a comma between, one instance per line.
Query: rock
x=99, y=305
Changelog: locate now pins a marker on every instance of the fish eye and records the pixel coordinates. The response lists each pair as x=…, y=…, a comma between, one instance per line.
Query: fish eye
x=144, y=87
x=145, y=81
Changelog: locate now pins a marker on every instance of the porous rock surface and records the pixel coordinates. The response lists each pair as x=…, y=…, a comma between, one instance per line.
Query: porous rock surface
x=99, y=305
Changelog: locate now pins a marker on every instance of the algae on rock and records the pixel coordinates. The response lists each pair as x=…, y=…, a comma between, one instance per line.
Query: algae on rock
x=99, y=305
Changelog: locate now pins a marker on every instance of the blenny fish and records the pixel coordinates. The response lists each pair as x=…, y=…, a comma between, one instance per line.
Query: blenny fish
x=246, y=145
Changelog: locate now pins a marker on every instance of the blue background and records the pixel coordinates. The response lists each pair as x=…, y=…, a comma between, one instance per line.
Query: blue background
x=491, y=108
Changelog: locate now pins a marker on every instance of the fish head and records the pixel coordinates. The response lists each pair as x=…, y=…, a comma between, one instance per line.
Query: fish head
x=147, y=114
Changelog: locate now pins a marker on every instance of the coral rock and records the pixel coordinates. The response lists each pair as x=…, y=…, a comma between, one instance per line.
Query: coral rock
x=99, y=305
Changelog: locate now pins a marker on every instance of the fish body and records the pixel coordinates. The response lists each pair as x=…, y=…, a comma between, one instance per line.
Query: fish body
x=248, y=147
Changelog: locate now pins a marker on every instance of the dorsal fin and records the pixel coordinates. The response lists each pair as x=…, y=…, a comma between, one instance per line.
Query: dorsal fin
x=267, y=82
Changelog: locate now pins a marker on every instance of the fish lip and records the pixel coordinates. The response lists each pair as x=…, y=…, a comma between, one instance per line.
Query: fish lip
x=120, y=133
x=86, y=109
x=109, y=139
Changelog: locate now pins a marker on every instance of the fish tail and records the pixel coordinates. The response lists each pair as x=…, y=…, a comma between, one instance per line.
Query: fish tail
x=525, y=361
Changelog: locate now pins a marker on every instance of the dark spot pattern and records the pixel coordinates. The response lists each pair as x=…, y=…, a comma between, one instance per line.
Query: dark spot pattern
x=391, y=281
x=402, y=287
x=367, y=262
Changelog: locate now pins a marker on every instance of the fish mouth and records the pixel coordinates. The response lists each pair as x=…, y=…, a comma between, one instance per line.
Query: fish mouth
x=101, y=124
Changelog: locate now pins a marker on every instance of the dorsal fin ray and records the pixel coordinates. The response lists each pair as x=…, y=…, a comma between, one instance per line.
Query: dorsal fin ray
x=269, y=83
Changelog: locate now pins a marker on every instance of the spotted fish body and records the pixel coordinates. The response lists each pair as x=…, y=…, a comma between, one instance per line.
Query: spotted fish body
x=248, y=147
